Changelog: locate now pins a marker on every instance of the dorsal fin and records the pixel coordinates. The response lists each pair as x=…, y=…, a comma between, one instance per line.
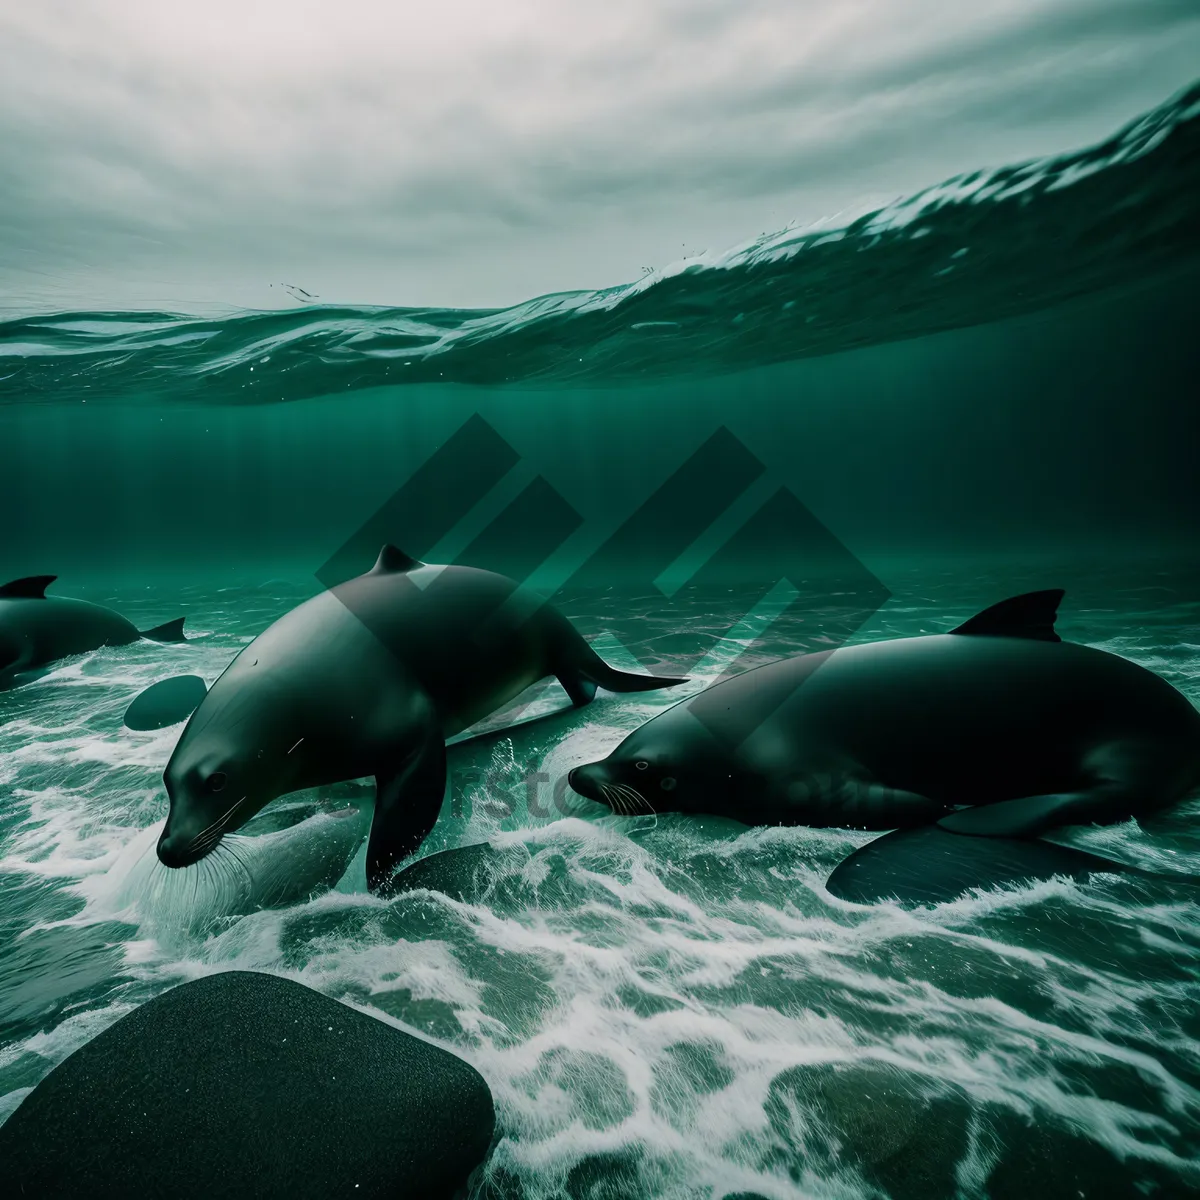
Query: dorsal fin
x=393, y=561
x=32, y=587
x=168, y=631
x=1029, y=616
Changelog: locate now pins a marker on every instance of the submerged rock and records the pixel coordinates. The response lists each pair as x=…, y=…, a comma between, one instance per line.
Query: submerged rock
x=899, y=1135
x=464, y=873
x=913, y=1137
x=247, y=1084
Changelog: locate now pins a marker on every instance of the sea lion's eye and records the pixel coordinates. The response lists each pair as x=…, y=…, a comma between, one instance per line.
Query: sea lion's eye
x=641, y=766
x=667, y=783
x=216, y=781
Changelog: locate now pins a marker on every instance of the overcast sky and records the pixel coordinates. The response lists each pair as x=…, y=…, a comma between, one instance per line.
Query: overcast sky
x=478, y=152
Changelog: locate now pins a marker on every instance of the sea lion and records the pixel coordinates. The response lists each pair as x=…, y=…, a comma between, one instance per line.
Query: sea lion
x=36, y=629
x=370, y=678
x=998, y=729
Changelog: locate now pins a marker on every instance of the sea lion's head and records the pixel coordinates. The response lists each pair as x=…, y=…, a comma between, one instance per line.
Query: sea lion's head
x=655, y=770
x=231, y=760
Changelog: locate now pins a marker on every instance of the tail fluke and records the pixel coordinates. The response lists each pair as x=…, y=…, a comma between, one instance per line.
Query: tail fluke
x=169, y=631
x=612, y=680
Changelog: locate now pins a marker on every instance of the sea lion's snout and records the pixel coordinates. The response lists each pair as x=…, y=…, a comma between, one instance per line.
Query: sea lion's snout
x=589, y=781
x=173, y=849
x=184, y=842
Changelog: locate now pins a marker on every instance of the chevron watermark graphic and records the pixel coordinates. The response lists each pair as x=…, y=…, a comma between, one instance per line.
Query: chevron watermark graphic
x=715, y=529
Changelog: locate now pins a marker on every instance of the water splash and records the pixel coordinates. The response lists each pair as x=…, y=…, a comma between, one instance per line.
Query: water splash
x=678, y=1009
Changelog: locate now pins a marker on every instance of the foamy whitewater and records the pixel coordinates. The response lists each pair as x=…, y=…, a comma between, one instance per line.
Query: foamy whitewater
x=661, y=1006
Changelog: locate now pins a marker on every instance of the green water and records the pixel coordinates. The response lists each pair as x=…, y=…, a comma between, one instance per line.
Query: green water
x=660, y=1006
x=1063, y=428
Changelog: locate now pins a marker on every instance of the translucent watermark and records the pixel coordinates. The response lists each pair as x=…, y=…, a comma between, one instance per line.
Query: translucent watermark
x=714, y=518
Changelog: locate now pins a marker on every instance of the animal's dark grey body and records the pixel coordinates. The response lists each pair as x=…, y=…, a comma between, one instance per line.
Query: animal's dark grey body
x=997, y=729
x=36, y=629
x=370, y=678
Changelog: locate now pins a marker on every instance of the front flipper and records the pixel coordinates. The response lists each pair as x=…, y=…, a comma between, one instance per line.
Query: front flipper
x=166, y=703
x=1031, y=816
x=924, y=866
x=408, y=800
x=580, y=689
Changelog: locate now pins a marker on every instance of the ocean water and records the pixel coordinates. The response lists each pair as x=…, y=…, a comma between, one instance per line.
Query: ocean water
x=986, y=389
x=661, y=1005
x=981, y=246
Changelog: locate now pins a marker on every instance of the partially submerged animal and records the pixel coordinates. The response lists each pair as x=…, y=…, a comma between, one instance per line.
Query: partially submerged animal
x=997, y=729
x=36, y=629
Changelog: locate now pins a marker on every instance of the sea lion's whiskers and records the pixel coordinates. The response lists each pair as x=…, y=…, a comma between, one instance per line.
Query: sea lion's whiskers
x=202, y=840
x=637, y=799
x=613, y=798
x=229, y=859
x=204, y=846
x=640, y=801
x=208, y=836
x=210, y=830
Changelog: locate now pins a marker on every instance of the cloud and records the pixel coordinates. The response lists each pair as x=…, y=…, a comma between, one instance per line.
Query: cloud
x=472, y=152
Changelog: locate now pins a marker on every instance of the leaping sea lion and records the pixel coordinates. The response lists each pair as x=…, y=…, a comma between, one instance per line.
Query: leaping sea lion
x=370, y=678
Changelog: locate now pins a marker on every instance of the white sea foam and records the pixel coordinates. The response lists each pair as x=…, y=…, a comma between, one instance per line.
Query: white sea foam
x=661, y=998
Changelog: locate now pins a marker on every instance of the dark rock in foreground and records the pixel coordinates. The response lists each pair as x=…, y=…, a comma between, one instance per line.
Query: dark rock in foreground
x=929, y=865
x=244, y=1084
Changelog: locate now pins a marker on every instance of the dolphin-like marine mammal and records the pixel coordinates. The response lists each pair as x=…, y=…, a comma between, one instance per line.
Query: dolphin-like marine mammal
x=370, y=678
x=36, y=629
x=998, y=728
